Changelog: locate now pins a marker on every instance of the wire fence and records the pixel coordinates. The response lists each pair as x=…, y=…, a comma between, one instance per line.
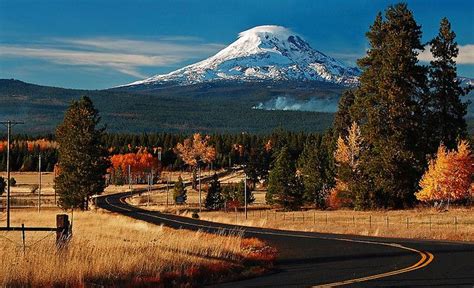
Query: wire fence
x=356, y=220
x=19, y=239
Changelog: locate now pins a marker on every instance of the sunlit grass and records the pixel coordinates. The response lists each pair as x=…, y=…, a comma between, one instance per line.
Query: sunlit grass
x=108, y=249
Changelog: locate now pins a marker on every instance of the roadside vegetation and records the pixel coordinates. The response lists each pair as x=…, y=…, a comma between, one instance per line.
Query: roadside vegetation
x=113, y=250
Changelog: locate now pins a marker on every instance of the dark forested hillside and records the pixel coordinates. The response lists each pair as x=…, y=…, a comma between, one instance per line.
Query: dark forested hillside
x=207, y=108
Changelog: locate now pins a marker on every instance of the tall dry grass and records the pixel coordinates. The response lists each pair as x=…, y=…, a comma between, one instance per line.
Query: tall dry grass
x=108, y=249
x=455, y=224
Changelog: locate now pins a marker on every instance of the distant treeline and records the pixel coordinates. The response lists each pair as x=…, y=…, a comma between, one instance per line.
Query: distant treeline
x=231, y=149
x=25, y=152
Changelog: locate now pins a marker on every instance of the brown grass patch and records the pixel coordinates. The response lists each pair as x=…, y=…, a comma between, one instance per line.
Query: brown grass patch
x=108, y=249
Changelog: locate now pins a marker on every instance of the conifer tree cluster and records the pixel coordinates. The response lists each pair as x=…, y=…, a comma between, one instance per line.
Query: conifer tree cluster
x=234, y=195
x=404, y=109
x=316, y=171
x=284, y=186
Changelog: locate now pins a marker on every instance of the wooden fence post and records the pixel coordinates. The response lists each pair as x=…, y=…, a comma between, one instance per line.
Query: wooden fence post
x=63, y=231
x=23, y=238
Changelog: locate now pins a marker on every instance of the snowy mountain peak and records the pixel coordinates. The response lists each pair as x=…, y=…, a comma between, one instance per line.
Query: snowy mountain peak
x=266, y=31
x=263, y=53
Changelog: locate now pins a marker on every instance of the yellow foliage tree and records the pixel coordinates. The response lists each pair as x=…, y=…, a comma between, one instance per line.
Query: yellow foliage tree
x=449, y=175
x=196, y=150
x=347, y=159
x=348, y=150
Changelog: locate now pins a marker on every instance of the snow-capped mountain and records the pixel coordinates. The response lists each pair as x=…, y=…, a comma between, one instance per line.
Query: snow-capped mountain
x=272, y=53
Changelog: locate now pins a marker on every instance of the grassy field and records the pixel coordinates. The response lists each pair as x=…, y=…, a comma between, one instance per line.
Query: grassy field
x=23, y=195
x=108, y=249
x=425, y=223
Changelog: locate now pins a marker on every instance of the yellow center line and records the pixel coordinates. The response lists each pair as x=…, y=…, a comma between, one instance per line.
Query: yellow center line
x=425, y=260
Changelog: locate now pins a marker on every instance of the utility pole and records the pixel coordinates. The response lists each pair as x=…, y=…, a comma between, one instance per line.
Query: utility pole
x=130, y=180
x=9, y=125
x=245, y=195
x=199, y=167
x=149, y=189
x=39, y=186
x=167, y=189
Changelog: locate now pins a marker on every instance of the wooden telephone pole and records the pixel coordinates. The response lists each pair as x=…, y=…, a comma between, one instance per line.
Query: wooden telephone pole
x=9, y=124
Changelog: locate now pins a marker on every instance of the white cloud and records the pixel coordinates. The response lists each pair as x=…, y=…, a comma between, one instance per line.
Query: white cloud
x=466, y=54
x=123, y=55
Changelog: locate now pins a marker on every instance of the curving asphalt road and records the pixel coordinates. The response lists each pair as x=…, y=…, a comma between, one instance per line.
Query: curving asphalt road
x=328, y=260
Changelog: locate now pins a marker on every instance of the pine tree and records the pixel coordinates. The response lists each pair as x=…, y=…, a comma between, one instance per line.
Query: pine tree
x=284, y=188
x=343, y=118
x=179, y=191
x=82, y=158
x=445, y=110
x=240, y=193
x=214, y=199
x=315, y=172
x=257, y=166
x=387, y=106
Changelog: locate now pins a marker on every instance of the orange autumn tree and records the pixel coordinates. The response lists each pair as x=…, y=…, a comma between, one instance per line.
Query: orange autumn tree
x=196, y=151
x=449, y=175
x=140, y=164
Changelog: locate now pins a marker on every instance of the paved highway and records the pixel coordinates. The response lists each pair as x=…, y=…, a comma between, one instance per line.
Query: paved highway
x=327, y=260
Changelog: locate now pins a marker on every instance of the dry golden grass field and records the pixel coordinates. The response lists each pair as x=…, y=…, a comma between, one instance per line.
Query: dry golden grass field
x=112, y=250
x=425, y=223
x=455, y=224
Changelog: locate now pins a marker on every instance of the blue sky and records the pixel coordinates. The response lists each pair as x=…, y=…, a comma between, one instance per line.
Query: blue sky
x=99, y=44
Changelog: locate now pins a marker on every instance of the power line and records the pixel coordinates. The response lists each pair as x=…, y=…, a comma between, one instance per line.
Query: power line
x=9, y=124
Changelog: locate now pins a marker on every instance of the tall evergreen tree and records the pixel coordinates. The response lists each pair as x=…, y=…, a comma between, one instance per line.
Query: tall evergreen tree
x=257, y=166
x=214, y=199
x=387, y=106
x=445, y=109
x=82, y=156
x=315, y=172
x=343, y=118
x=284, y=188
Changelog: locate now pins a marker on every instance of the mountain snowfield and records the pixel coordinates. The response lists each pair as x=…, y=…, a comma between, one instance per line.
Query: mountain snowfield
x=263, y=53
